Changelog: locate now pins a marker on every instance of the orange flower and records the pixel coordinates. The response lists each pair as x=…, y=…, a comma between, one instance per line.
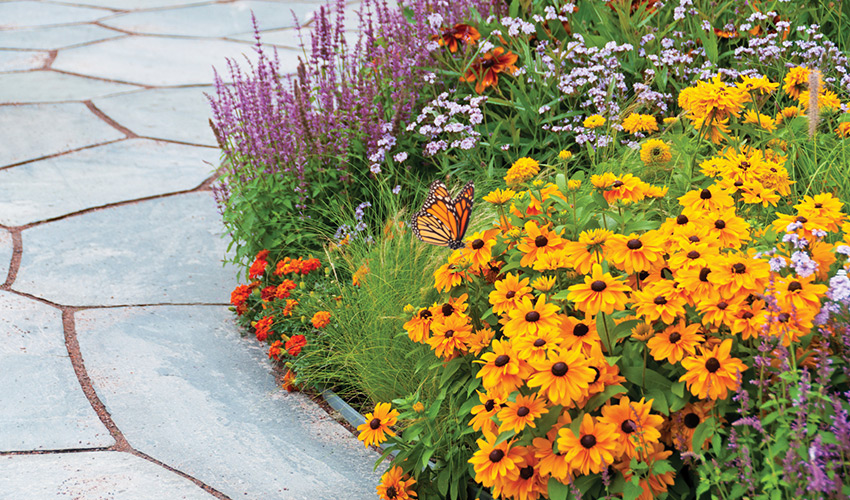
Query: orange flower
x=503, y=370
x=419, y=326
x=711, y=373
x=460, y=33
x=377, y=426
x=493, y=462
x=563, y=377
x=482, y=415
x=530, y=317
x=516, y=415
x=592, y=449
x=540, y=241
x=295, y=344
x=599, y=292
x=275, y=350
x=675, y=341
x=508, y=293
x=239, y=299
x=321, y=319
x=262, y=328
x=634, y=426
x=394, y=487
x=485, y=71
x=450, y=336
x=258, y=267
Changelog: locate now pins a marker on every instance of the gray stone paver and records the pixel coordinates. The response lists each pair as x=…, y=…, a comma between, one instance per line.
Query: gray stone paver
x=161, y=251
x=42, y=406
x=21, y=61
x=211, y=20
x=49, y=86
x=180, y=114
x=6, y=249
x=60, y=128
x=178, y=381
x=121, y=171
x=183, y=386
x=26, y=13
x=157, y=60
x=102, y=475
x=54, y=38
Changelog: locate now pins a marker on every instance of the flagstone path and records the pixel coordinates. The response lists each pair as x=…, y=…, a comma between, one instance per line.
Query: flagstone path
x=122, y=374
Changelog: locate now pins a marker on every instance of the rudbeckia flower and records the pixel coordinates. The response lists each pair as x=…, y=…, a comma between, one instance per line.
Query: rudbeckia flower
x=419, y=326
x=739, y=273
x=651, y=307
x=482, y=415
x=600, y=292
x=563, y=376
x=592, y=449
x=634, y=426
x=503, y=370
x=713, y=372
x=459, y=33
x=699, y=202
x=530, y=317
x=377, y=426
x=393, y=486
x=675, y=342
x=485, y=70
x=516, y=415
x=635, y=253
x=449, y=336
x=508, y=293
x=493, y=462
x=538, y=241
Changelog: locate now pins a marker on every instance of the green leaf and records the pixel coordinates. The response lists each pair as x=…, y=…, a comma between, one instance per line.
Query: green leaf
x=678, y=388
x=599, y=399
x=558, y=490
x=701, y=433
x=631, y=491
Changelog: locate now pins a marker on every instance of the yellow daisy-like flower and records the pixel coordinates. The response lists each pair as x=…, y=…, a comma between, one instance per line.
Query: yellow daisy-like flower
x=544, y=283
x=563, y=376
x=765, y=122
x=593, y=121
x=593, y=448
x=565, y=155
x=640, y=123
x=508, y=293
x=377, y=426
x=635, y=253
x=503, y=369
x=538, y=241
x=522, y=170
x=843, y=130
x=600, y=292
x=482, y=415
x=450, y=336
x=530, y=317
x=393, y=486
x=796, y=81
x=635, y=426
x=675, y=342
x=761, y=85
x=516, y=415
x=493, y=462
x=500, y=196
x=536, y=347
x=573, y=185
x=655, y=152
x=713, y=372
x=789, y=113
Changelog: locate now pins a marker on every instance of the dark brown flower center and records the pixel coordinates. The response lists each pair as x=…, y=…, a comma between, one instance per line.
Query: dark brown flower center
x=739, y=268
x=598, y=286
x=738, y=183
x=712, y=365
x=532, y=316
x=541, y=241
x=783, y=317
x=448, y=309
x=617, y=183
x=634, y=244
x=691, y=420
x=489, y=405
x=375, y=423
x=502, y=360
x=559, y=369
x=693, y=254
x=801, y=219
x=705, y=194
x=794, y=286
x=703, y=274
x=478, y=244
x=496, y=456
x=526, y=472
x=425, y=314
x=722, y=305
x=682, y=220
x=588, y=441
x=449, y=333
x=539, y=343
x=510, y=294
x=522, y=411
x=581, y=330
x=643, y=275
x=660, y=300
x=675, y=337
x=391, y=492
x=818, y=205
x=720, y=224
x=629, y=426
x=693, y=239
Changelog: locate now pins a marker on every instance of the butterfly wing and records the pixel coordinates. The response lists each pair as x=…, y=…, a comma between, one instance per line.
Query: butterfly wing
x=442, y=220
x=430, y=229
x=463, y=209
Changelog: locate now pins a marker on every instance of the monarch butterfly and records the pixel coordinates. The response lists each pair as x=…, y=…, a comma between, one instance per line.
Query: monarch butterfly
x=442, y=220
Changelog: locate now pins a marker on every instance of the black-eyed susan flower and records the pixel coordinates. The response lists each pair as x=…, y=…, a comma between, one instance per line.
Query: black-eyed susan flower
x=480, y=339
x=635, y=427
x=719, y=311
x=713, y=373
x=450, y=335
x=452, y=273
x=655, y=152
x=534, y=347
x=494, y=462
x=588, y=250
x=454, y=305
x=530, y=483
x=626, y=189
x=730, y=230
x=699, y=202
x=592, y=449
x=695, y=281
x=529, y=317
x=761, y=85
x=549, y=462
x=684, y=422
x=508, y=293
x=394, y=486
x=824, y=206
x=482, y=415
x=563, y=377
x=419, y=327
x=377, y=426
x=503, y=370
x=538, y=241
x=634, y=253
x=843, y=130
x=765, y=122
x=739, y=272
x=580, y=334
x=675, y=342
x=516, y=415
x=749, y=319
x=652, y=307
x=600, y=292
x=800, y=294
x=479, y=248
x=544, y=283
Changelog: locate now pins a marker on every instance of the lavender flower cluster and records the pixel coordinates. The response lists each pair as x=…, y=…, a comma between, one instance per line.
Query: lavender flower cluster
x=449, y=124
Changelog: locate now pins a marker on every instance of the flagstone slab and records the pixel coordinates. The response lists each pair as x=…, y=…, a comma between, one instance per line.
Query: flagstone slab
x=105, y=475
x=42, y=406
x=212, y=20
x=161, y=251
x=61, y=127
x=49, y=86
x=180, y=114
x=54, y=38
x=121, y=171
x=23, y=14
x=186, y=388
x=158, y=60
x=14, y=60
x=6, y=249
x=137, y=4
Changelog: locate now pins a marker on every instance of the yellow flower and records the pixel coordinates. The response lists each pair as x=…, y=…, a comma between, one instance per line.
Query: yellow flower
x=565, y=155
x=522, y=170
x=761, y=85
x=827, y=100
x=377, y=424
x=796, y=81
x=418, y=407
x=544, y=283
x=843, y=129
x=670, y=120
x=573, y=185
x=655, y=152
x=500, y=196
x=593, y=121
x=640, y=123
x=789, y=113
x=763, y=121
